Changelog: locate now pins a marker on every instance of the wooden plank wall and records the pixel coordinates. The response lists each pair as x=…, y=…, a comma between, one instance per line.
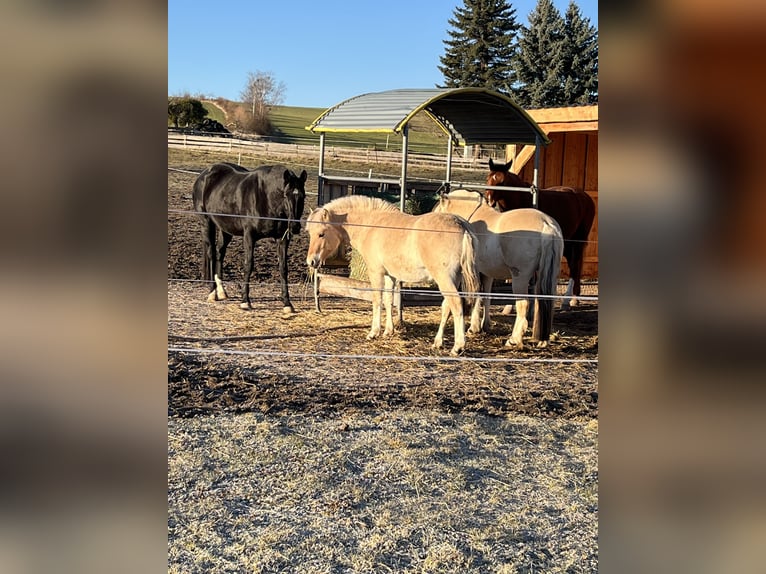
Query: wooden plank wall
x=571, y=159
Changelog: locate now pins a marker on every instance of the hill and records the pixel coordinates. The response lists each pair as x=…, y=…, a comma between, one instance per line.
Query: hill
x=289, y=123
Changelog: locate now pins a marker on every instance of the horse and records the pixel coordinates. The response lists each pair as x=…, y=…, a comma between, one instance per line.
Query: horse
x=254, y=204
x=572, y=208
x=520, y=244
x=395, y=247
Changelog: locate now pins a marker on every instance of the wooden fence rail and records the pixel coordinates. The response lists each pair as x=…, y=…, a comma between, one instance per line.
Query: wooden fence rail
x=232, y=144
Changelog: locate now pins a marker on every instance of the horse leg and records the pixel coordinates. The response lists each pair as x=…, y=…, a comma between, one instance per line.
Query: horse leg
x=487, y=287
x=522, y=309
x=508, y=309
x=457, y=317
x=480, y=311
x=575, y=273
x=456, y=305
x=452, y=303
x=376, y=283
x=208, y=256
x=573, y=253
x=388, y=296
x=282, y=245
x=249, y=242
x=220, y=292
x=568, y=299
x=439, y=339
x=477, y=310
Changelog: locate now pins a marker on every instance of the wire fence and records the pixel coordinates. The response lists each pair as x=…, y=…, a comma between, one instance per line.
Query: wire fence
x=497, y=297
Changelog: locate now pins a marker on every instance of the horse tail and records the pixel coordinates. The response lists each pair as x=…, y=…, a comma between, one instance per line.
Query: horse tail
x=548, y=271
x=470, y=283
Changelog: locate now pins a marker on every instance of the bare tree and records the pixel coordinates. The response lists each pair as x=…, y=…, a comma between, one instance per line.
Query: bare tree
x=262, y=90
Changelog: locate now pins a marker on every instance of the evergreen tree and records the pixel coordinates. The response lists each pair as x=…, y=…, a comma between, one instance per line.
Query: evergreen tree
x=540, y=63
x=185, y=111
x=580, y=54
x=481, y=47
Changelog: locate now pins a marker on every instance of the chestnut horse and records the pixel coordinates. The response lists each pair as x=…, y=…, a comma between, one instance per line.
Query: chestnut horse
x=573, y=209
x=397, y=246
x=517, y=244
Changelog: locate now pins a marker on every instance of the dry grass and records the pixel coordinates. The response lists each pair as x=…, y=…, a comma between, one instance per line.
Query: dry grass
x=404, y=491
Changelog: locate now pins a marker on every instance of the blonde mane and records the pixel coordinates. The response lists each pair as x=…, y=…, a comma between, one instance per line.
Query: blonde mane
x=465, y=194
x=359, y=203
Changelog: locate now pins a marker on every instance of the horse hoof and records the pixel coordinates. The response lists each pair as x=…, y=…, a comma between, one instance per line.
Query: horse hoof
x=211, y=298
x=456, y=352
x=542, y=344
x=220, y=292
x=245, y=306
x=510, y=343
x=289, y=310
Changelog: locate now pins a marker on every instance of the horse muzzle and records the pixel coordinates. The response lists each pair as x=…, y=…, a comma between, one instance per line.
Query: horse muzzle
x=314, y=261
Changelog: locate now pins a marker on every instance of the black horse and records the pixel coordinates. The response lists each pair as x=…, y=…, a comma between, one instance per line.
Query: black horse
x=264, y=202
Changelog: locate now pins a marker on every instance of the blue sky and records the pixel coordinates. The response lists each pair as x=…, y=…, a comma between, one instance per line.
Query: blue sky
x=324, y=51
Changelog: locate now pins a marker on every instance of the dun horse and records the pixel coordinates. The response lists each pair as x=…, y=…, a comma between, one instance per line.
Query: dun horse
x=517, y=244
x=573, y=209
x=254, y=204
x=397, y=246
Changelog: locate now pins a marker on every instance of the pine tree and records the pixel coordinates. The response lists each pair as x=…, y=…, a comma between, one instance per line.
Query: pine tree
x=481, y=47
x=580, y=54
x=539, y=64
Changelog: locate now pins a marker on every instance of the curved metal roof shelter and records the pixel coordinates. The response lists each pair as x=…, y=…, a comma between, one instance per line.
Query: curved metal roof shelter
x=468, y=115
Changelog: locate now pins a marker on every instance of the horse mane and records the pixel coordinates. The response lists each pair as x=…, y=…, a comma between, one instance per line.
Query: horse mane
x=466, y=194
x=359, y=203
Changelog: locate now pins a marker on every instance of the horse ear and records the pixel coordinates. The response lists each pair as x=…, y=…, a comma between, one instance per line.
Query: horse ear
x=288, y=176
x=499, y=167
x=304, y=175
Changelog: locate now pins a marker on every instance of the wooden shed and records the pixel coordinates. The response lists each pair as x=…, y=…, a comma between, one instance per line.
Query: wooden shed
x=571, y=159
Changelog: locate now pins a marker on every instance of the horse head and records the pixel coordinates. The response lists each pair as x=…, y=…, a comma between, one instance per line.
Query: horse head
x=325, y=238
x=500, y=174
x=294, y=194
x=441, y=205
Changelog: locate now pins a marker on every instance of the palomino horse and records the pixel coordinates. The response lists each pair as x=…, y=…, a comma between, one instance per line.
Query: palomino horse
x=397, y=246
x=517, y=244
x=255, y=204
x=573, y=209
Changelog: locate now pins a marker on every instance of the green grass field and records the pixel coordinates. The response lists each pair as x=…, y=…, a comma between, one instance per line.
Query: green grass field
x=290, y=123
x=214, y=112
x=289, y=126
